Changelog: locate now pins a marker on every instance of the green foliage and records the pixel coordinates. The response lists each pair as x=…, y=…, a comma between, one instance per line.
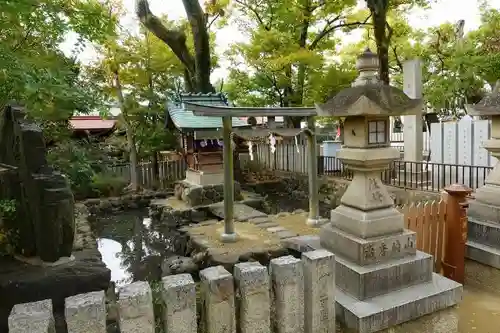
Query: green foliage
x=33, y=70
x=149, y=74
x=81, y=162
x=7, y=235
x=7, y=208
x=287, y=51
x=106, y=185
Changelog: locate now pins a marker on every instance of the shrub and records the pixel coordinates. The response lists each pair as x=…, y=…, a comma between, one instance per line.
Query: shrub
x=8, y=234
x=104, y=185
x=80, y=162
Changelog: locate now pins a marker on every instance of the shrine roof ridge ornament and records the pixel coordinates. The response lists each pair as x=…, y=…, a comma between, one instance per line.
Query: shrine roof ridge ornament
x=368, y=95
x=222, y=110
x=488, y=106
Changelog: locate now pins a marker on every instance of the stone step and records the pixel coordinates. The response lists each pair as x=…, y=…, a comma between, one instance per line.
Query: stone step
x=487, y=233
x=483, y=253
x=363, y=282
x=381, y=312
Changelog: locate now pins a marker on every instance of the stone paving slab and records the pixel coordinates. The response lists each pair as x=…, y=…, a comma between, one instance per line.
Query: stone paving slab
x=267, y=225
x=241, y=212
x=285, y=234
x=275, y=229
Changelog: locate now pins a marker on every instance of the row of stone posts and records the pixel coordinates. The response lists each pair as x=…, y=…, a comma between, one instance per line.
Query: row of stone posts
x=296, y=295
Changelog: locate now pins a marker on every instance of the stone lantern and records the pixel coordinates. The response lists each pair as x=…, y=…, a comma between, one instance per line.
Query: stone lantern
x=379, y=272
x=484, y=212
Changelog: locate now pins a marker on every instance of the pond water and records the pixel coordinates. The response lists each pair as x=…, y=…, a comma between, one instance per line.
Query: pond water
x=133, y=247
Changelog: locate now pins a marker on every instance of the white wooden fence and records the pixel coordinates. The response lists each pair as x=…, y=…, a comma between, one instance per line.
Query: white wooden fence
x=169, y=171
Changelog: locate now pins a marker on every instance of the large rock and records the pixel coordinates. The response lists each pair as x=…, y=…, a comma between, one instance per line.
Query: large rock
x=179, y=265
x=43, y=222
x=196, y=195
x=22, y=283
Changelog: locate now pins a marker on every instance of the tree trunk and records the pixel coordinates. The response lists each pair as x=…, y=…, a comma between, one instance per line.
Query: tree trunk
x=378, y=10
x=382, y=41
x=198, y=67
x=134, y=174
x=201, y=40
x=132, y=149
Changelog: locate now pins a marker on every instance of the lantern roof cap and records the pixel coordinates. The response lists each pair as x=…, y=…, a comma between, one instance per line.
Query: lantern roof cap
x=488, y=106
x=368, y=95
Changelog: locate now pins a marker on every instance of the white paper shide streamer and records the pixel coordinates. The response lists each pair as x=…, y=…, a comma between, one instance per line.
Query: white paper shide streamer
x=272, y=142
x=297, y=144
x=250, y=150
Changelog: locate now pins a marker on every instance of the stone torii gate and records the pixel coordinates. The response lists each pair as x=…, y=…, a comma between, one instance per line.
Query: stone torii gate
x=227, y=112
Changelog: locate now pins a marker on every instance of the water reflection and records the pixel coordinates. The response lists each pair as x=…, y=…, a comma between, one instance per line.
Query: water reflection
x=133, y=247
x=111, y=251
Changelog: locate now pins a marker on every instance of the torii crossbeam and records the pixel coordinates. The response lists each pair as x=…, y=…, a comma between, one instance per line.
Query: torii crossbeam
x=227, y=112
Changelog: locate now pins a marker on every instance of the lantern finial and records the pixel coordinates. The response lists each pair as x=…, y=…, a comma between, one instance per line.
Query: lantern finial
x=367, y=65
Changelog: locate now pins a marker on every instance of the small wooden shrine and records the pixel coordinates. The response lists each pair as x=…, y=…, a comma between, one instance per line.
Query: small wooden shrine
x=201, y=137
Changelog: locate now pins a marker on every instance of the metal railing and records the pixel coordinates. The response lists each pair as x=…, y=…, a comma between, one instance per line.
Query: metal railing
x=415, y=175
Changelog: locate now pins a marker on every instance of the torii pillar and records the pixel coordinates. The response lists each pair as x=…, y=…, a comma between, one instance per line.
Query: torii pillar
x=227, y=112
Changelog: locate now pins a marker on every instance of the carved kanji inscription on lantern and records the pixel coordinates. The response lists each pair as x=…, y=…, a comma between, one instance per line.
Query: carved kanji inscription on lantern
x=375, y=190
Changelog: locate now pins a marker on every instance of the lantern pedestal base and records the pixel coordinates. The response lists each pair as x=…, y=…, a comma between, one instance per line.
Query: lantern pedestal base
x=381, y=279
x=373, y=297
x=483, y=243
x=484, y=227
x=380, y=312
x=485, y=254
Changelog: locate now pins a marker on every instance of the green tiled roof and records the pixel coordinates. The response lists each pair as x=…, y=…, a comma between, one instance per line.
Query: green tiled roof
x=184, y=119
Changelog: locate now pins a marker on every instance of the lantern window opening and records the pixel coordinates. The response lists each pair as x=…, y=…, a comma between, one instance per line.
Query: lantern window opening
x=377, y=132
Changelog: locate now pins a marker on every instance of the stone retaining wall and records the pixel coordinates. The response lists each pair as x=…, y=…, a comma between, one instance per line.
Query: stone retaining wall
x=101, y=206
x=295, y=295
x=331, y=189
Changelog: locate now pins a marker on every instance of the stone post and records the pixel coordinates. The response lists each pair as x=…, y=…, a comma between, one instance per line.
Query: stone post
x=229, y=234
x=136, y=308
x=179, y=298
x=412, y=126
x=287, y=278
x=319, y=291
x=312, y=170
x=252, y=280
x=456, y=232
x=217, y=291
x=35, y=317
x=86, y=313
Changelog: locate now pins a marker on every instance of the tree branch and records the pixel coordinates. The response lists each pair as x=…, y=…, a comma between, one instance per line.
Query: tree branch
x=329, y=28
x=398, y=62
x=255, y=12
x=176, y=40
x=212, y=21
